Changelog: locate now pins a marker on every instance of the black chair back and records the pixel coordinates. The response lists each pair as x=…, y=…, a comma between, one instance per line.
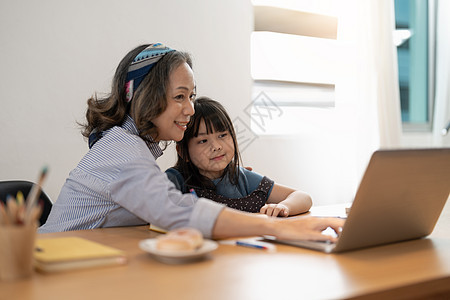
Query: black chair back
x=11, y=187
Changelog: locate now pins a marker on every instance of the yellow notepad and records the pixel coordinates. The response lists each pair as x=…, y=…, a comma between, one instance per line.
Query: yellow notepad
x=68, y=253
x=157, y=229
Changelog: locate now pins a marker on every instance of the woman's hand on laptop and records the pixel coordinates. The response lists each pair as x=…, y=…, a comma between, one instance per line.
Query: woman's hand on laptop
x=309, y=228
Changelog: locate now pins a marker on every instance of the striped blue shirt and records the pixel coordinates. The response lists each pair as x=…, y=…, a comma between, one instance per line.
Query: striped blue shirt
x=118, y=183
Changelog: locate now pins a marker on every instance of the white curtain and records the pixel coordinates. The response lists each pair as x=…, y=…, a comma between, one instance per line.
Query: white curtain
x=368, y=26
x=441, y=114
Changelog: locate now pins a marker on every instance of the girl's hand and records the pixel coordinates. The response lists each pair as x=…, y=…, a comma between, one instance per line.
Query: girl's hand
x=275, y=210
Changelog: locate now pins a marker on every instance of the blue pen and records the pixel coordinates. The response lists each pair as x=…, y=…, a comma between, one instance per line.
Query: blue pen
x=192, y=191
x=245, y=244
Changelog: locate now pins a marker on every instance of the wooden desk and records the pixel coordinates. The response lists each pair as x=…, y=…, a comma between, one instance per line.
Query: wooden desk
x=415, y=269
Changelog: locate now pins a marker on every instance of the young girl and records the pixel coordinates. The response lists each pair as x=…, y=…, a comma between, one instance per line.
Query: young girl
x=208, y=163
x=118, y=182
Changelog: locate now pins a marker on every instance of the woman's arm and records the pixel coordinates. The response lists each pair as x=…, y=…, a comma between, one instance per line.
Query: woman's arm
x=234, y=223
x=284, y=201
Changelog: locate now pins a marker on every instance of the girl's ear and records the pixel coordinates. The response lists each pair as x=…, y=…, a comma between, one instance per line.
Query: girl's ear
x=180, y=153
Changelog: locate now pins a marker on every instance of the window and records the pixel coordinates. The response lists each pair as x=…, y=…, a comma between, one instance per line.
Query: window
x=293, y=64
x=295, y=61
x=414, y=37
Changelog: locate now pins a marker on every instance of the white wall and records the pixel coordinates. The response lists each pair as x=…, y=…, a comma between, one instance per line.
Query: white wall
x=55, y=54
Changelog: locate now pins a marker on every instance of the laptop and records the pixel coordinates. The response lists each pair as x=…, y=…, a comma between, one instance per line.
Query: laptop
x=400, y=198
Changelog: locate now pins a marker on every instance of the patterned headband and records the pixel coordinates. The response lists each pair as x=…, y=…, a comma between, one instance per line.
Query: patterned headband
x=141, y=66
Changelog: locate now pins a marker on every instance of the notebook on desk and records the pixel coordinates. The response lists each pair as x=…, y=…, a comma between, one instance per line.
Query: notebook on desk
x=400, y=197
x=70, y=253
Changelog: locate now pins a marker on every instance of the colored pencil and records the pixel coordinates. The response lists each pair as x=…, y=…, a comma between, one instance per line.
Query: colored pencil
x=4, y=219
x=34, y=193
x=11, y=209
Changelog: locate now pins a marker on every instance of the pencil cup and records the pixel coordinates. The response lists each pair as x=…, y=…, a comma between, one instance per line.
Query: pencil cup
x=16, y=251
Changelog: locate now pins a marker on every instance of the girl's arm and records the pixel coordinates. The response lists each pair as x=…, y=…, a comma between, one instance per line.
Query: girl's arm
x=284, y=201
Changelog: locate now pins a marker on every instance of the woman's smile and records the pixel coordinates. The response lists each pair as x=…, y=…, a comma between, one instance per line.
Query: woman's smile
x=172, y=123
x=181, y=125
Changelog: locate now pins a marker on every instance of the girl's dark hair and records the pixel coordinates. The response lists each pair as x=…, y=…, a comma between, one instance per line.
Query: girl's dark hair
x=149, y=100
x=216, y=120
